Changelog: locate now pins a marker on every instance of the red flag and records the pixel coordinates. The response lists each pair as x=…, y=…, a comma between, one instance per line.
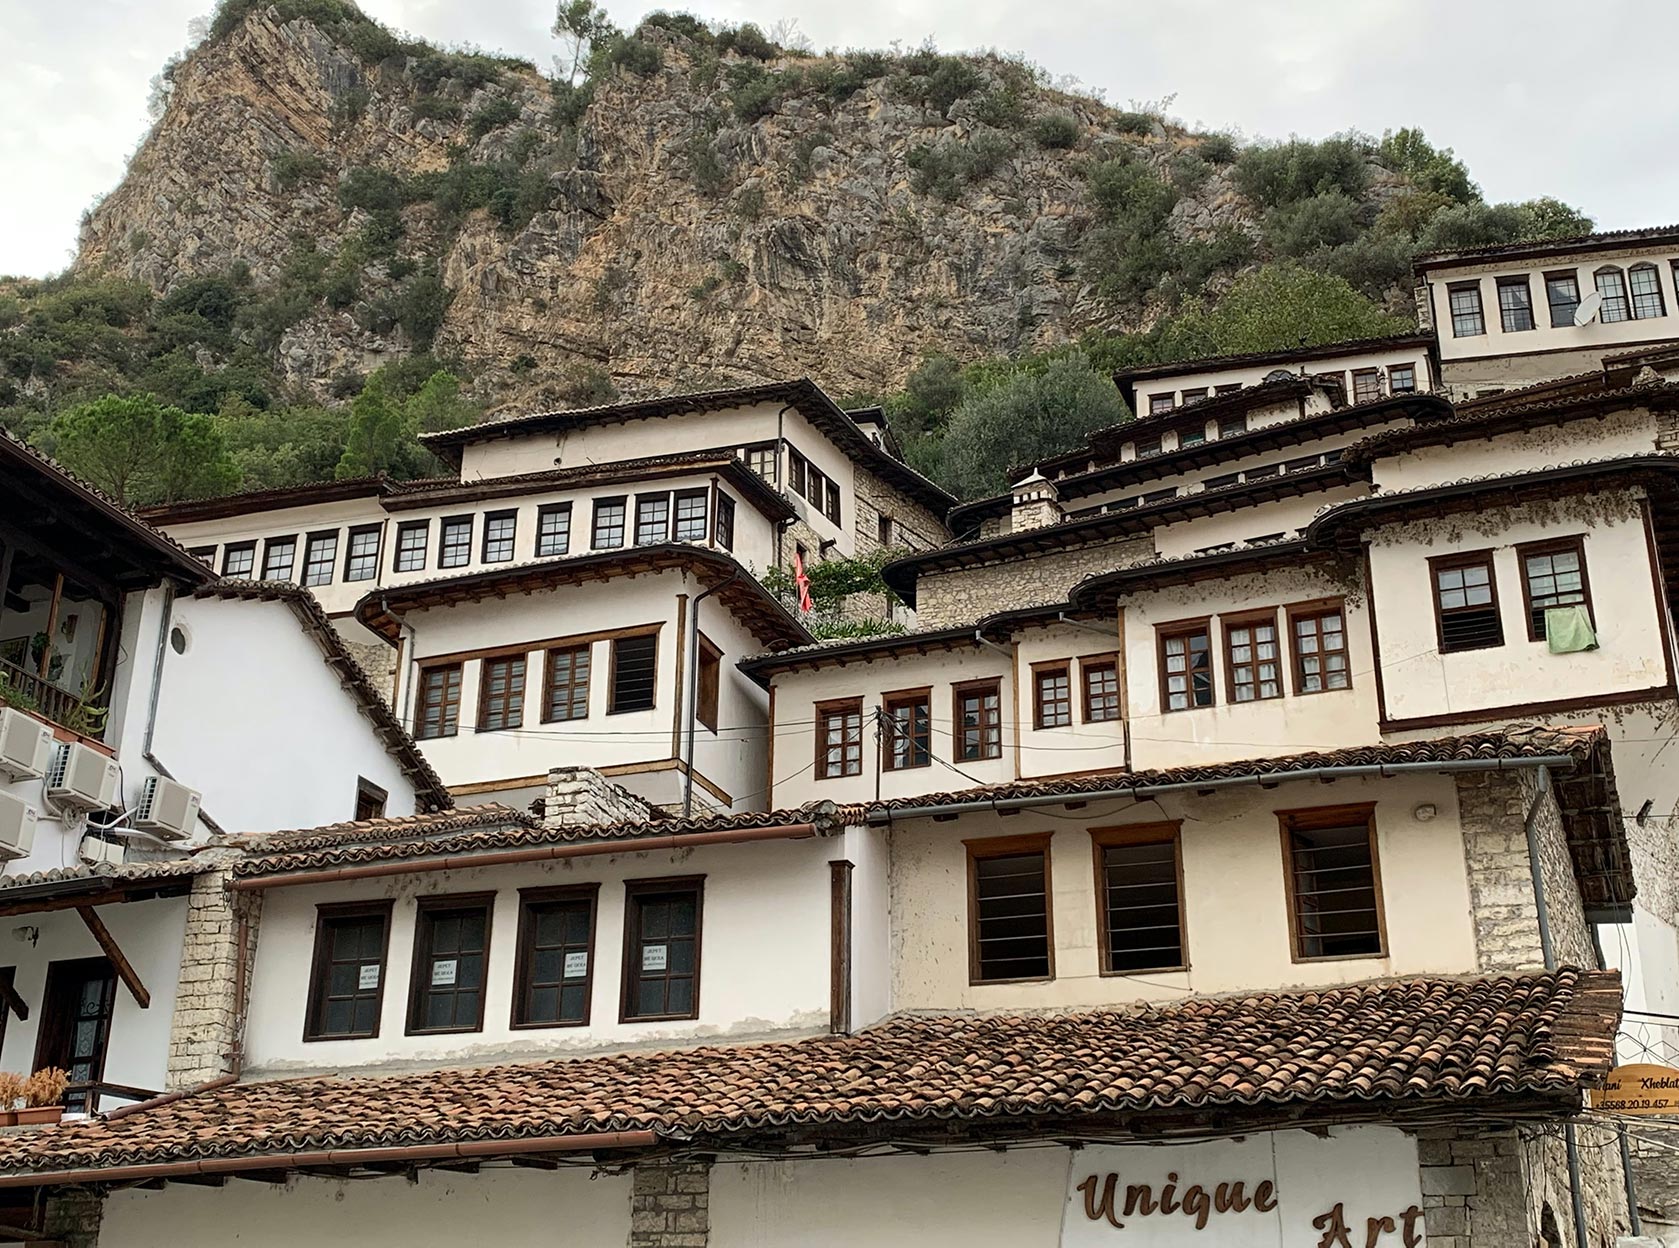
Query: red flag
x=801, y=582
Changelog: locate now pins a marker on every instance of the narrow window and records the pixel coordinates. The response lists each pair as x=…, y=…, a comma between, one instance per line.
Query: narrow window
x=1160, y=496
x=451, y=947
x=1194, y=395
x=1334, y=885
x=1101, y=690
x=725, y=521
x=1186, y=665
x=1562, y=292
x=883, y=529
x=440, y=702
x=832, y=507
x=690, y=515
x=1646, y=284
x=1367, y=385
x=238, y=558
x=1402, y=378
x=501, y=693
x=1466, y=602
x=454, y=547
x=1008, y=888
x=634, y=672
x=1515, y=305
x=347, y=978
x=796, y=469
x=979, y=720
x=204, y=554
x=608, y=533
x=816, y=482
x=553, y=974
x=279, y=558
x=411, y=539
x=320, y=554
x=1139, y=894
x=553, y=529
x=370, y=799
x=1194, y=436
x=652, y=519
x=1232, y=426
x=75, y=1028
x=661, y=950
x=908, y=719
x=1147, y=448
x=1253, y=658
x=1158, y=403
x=499, y=530
x=361, y=559
x=1319, y=636
x=707, y=683
x=1465, y=301
x=566, y=685
x=1553, y=575
x=839, y=738
x=762, y=460
x=1052, y=695
x=1612, y=285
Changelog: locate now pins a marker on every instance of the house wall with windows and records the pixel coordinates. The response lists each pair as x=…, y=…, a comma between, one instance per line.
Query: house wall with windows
x=1244, y=524
x=1379, y=372
x=1631, y=431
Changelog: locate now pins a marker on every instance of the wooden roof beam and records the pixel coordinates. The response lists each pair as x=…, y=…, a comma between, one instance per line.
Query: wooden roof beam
x=108, y=943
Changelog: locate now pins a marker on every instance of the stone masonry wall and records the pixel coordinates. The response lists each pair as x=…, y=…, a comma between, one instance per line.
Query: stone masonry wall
x=946, y=599
x=578, y=795
x=670, y=1205
x=204, y=1028
x=73, y=1215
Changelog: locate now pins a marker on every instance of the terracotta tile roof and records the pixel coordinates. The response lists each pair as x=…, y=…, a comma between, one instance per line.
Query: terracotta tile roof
x=1357, y=1051
x=1208, y=363
x=1606, y=240
x=278, y=498
x=113, y=872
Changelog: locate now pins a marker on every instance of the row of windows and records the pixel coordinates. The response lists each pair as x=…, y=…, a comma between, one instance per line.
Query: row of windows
x=803, y=477
x=1366, y=387
x=1630, y=294
x=1301, y=463
x=553, y=974
x=1466, y=612
x=1253, y=655
x=1330, y=874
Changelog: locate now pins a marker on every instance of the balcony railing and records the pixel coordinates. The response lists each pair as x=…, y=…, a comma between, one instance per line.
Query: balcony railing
x=29, y=692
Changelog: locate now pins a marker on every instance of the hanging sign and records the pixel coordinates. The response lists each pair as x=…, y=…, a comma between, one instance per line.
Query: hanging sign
x=1641, y=1088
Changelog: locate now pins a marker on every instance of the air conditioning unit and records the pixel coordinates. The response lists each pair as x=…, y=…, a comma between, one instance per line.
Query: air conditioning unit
x=17, y=827
x=96, y=849
x=82, y=778
x=25, y=745
x=167, y=809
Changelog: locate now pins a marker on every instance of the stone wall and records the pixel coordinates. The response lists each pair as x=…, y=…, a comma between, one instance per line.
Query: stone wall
x=962, y=596
x=920, y=528
x=670, y=1205
x=204, y=1030
x=73, y=1215
x=578, y=795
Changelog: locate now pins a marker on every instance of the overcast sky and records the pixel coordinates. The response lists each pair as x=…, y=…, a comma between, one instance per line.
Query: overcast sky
x=1538, y=96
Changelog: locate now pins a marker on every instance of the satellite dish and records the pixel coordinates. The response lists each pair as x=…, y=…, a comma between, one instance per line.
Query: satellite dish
x=1586, y=313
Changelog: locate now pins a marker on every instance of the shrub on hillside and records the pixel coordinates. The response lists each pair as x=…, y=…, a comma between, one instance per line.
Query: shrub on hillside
x=1056, y=131
x=1283, y=173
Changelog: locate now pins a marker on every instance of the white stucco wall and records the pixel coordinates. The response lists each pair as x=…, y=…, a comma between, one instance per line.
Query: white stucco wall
x=1630, y=432
x=868, y=850
x=751, y=986
x=1285, y=515
x=1252, y=374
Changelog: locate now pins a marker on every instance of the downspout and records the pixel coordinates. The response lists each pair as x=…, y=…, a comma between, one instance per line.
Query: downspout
x=694, y=685
x=780, y=475
x=407, y=652
x=156, y=695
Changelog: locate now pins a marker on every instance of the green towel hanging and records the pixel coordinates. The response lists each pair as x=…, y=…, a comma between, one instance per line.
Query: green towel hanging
x=1569, y=630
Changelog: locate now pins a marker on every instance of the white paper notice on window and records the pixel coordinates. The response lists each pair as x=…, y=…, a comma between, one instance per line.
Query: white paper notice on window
x=576, y=965
x=443, y=973
x=653, y=957
x=369, y=976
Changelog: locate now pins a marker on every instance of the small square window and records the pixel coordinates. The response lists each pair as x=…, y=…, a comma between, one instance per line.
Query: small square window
x=1232, y=426
x=499, y=530
x=1194, y=395
x=608, y=532
x=1367, y=385
x=1402, y=378
x=239, y=558
x=1159, y=403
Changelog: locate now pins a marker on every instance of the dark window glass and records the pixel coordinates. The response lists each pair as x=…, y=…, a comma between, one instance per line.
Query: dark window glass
x=451, y=946
x=725, y=522
x=1402, y=378
x=411, y=545
x=361, y=560
x=1140, y=902
x=239, y=558
x=1465, y=301
x=348, y=979
x=1562, y=292
x=1158, y=403
x=370, y=799
x=634, y=673
x=1101, y=692
x=1192, y=437
x=279, y=558
x=652, y=519
x=1367, y=385
x=1254, y=660
x=609, y=524
x=553, y=529
x=662, y=952
x=1149, y=447
x=440, y=702
x=75, y=1026
x=566, y=695
x=1612, y=285
x=690, y=515
x=1466, y=604
x=500, y=528
x=1320, y=651
x=761, y=459
x=839, y=740
x=1515, y=304
x=1332, y=866
x=1186, y=665
x=1232, y=426
x=1011, y=914
x=1052, y=697
x=1646, y=286
x=204, y=554
x=454, y=547
x=1553, y=575
x=501, y=693
x=832, y=507
x=909, y=731
x=707, y=685
x=1194, y=395
x=797, y=466
x=556, y=959
x=979, y=722
x=319, y=556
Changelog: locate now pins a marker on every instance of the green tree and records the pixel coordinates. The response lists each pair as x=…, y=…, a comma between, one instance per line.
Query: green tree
x=282, y=446
x=386, y=417
x=1429, y=168
x=1279, y=305
x=139, y=451
x=579, y=25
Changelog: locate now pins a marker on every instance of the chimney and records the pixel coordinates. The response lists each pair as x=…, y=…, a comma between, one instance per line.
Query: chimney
x=579, y=795
x=1037, y=503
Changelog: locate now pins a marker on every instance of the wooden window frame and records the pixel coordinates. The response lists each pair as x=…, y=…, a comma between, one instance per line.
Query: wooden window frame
x=1524, y=283
x=443, y=547
x=1560, y=275
x=405, y=530
x=249, y=547
x=633, y=890
x=993, y=684
x=491, y=518
x=982, y=848
x=523, y=953
x=1050, y=668
x=708, y=680
x=1464, y=559
x=377, y=533
x=1372, y=375
x=1159, y=833
x=369, y=794
x=768, y=453
x=1086, y=663
x=1633, y=295
x=514, y=712
x=1454, y=288
x=1247, y=619
x=268, y=545
x=723, y=525
x=384, y=908
x=1309, y=818
x=417, y=985
x=56, y=1032
x=1156, y=407
x=1625, y=296
x=548, y=672
x=1551, y=546
x=1410, y=371
x=653, y=498
x=1311, y=609
x=620, y=501
x=825, y=710
x=1184, y=628
x=320, y=537
x=420, y=704
x=623, y=635
x=890, y=702
x=542, y=514
x=1232, y=426
x=700, y=494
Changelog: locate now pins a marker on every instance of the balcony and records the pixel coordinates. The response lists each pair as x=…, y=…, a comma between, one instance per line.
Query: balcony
x=26, y=691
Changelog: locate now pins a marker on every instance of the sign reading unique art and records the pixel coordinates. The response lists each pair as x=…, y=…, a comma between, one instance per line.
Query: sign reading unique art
x=653, y=957
x=368, y=977
x=576, y=965
x=1356, y=1188
x=1640, y=1088
x=443, y=973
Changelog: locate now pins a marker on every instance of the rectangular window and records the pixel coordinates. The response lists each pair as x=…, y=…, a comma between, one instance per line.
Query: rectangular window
x=832, y=507
x=454, y=547
x=608, y=532
x=553, y=529
x=652, y=519
x=320, y=554
x=725, y=521
x=1232, y=426
x=797, y=466
x=440, y=702
x=1101, y=690
x=1008, y=899
x=1367, y=385
x=661, y=949
x=1334, y=885
x=553, y=971
x=411, y=539
x=1147, y=448
x=239, y=558
x=1402, y=378
x=361, y=559
x=500, y=528
x=1221, y=481
x=279, y=558
x=370, y=799
x=1515, y=305
x=883, y=529
x=839, y=738
x=565, y=693
x=1465, y=301
x=451, y=950
x=1052, y=695
x=1612, y=285
x=1303, y=464
x=634, y=673
x=75, y=1026
x=1562, y=292
x=708, y=683
x=1139, y=894
x=1158, y=403
x=1253, y=658
x=908, y=719
x=1319, y=637
x=1194, y=395
x=1192, y=437
x=690, y=515
x=1186, y=665
x=816, y=482
x=1466, y=602
x=762, y=460
x=204, y=554
x=501, y=693
x=1645, y=281
x=1553, y=575
x=1160, y=496
x=347, y=977
x=979, y=720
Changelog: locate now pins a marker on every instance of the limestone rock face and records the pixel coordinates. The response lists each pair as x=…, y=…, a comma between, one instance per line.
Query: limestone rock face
x=676, y=245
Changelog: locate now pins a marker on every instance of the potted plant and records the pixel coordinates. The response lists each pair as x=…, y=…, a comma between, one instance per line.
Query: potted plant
x=43, y=1094
x=11, y=1096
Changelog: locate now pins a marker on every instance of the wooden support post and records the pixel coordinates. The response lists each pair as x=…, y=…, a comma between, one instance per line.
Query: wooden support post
x=108, y=943
x=839, y=966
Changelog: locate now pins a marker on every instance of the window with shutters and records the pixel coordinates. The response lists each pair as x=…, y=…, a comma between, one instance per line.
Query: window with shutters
x=1318, y=635
x=411, y=539
x=1101, y=690
x=707, y=683
x=1464, y=299
x=907, y=721
x=501, y=693
x=690, y=515
x=1139, y=897
x=1466, y=602
x=320, y=553
x=661, y=949
x=839, y=738
x=1334, y=883
x=454, y=546
x=553, y=529
x=1009, y=933
x=279, y=558
x=634, y=673
x=451, y=954
x=1562, y=292
x=1186, y=665
x=1052, y=695
x=361, y=559
x=725, y=521
x=1515, y=305
x=565, y=692
x=608, y=531
x=439, y=712
x=979, y=720
x=239, y=558
x=347, y=978
x=1253, y=661
x=652, y=519
x=500, y=528
x=1553, y=575
x=554, y=969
